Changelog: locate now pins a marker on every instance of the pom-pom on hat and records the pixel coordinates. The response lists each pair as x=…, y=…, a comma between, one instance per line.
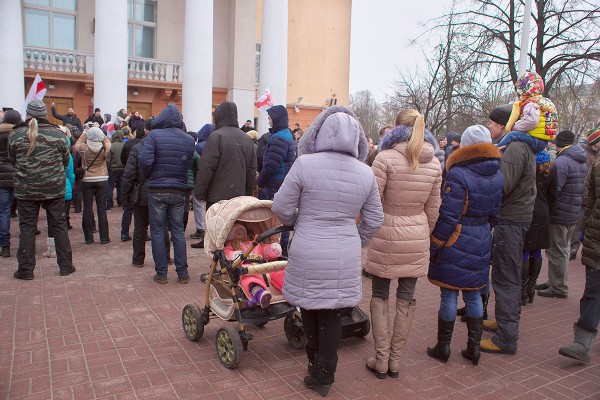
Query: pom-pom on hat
x=500, y=115
x=594, y=137
x=542, y=157
x=475, y=134
x=564, y=139
x=37, y=109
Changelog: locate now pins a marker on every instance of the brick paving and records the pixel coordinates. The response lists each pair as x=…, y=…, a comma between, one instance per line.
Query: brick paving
x=109, y=332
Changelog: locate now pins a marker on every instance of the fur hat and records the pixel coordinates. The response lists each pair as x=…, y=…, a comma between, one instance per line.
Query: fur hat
x=564, y=139
x=475, y=134
x=500, y=115
x=594, y=137
x=37, y=109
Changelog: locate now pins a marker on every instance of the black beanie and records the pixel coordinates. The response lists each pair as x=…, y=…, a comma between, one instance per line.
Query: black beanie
x=501, y=115
x=12, y=117
x=564, y=139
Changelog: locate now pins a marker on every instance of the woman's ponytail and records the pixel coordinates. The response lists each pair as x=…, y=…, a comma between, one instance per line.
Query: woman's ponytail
x=32, y=134
x=414, y=119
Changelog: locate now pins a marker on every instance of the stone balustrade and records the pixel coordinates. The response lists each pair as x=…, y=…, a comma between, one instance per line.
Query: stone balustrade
x=143, y=68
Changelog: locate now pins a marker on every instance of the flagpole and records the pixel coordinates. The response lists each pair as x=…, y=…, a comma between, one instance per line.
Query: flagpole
x=525, y=38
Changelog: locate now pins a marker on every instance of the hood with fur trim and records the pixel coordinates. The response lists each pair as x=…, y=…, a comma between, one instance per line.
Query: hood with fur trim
x=401, y=134
x=480, y=154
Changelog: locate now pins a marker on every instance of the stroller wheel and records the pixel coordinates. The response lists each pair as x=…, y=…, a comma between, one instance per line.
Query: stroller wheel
x=191, y=320
x=294, y=332
x=229, y=347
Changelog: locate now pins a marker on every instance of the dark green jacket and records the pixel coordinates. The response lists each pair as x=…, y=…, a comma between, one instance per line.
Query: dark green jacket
x=41, y=175
x=591, y=241
x=518, y=171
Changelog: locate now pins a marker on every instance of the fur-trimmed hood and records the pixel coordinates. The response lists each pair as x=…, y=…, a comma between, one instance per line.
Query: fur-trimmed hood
x=479, y=153
x=309, y=139
x=399, y=137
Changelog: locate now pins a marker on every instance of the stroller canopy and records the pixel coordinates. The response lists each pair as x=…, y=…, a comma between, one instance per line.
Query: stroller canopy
x=222, y=215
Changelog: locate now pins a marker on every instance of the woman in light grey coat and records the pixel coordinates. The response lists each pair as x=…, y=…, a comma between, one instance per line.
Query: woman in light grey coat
x=326, y=188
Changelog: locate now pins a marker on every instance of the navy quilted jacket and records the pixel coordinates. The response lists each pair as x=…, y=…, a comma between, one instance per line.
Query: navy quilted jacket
x=278, y=159
x=570, y=173
x=461, y=242
x=167, y=152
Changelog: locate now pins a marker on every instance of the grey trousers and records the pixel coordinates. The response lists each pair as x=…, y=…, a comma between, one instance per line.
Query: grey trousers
x=577, y=233
x=199, y=210
x=506, y=280
x=558, y=257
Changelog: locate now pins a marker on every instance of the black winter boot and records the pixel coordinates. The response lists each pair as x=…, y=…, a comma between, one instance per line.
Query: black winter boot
x=485, y=298
x=312, y=359
x=441, y=351
x=524, y=280
x=534, y=272
x=475, y=328
x=321, y=380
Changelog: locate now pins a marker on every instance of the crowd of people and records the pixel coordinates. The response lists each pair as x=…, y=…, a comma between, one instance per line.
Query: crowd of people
x=449, y=209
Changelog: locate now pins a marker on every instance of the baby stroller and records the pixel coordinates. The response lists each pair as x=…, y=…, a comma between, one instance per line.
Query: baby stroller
x=224, y=297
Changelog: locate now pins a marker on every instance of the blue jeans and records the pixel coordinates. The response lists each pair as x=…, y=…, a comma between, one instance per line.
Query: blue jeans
x=472, y=299
x=163, y=208
x=114, y=179
x=589, y=305
x=6, y=199
x=267, y=193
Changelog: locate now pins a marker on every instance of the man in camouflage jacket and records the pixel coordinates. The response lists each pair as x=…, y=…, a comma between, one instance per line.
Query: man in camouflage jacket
x=40, y=181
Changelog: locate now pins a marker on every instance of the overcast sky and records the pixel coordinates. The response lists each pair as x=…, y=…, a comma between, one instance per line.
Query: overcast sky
x=380, y=40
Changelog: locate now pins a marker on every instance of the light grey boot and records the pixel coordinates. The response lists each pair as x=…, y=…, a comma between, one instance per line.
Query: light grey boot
x=405, y=311
x=580, y=348
x=51, y=252
x=380, y=312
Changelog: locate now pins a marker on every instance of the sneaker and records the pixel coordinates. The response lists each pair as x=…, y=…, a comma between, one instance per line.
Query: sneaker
x=125, y=238
x=197, y=235
x=67, y=272
x=160, y=279
x=199, y=245
x=184, y=279
x=5, y=252
x=19, y=275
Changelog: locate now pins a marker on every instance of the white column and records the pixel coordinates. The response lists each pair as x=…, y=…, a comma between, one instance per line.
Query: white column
x=110, y=56
x=12, y=80
x=198, y=64
x=273, y=55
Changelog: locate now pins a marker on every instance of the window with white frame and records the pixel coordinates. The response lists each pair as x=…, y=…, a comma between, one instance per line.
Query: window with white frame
x=50, y=23
x=141, y=16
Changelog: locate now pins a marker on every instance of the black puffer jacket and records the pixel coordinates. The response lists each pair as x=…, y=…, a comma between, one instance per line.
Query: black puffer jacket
x=537, y=236
x=132, y=175
x=227, y=168
x=7, y=170
x=591, y=242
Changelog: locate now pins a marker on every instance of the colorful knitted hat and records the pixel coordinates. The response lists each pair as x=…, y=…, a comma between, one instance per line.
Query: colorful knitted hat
x=594, y=137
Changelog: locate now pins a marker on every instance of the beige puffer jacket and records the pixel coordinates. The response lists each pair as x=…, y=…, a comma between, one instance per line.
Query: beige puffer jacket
x=411, y=201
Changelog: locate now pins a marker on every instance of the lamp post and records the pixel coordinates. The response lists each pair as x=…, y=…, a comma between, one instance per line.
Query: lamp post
x=525, y=39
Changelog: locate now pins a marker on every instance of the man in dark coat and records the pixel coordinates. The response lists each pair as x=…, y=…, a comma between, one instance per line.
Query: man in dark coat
x=570, y=172
x=164, y=161
x=95, y=117
x=518, y=197
x=227, y=166
x=586, y=327
x=7, y=172
x=69, y=119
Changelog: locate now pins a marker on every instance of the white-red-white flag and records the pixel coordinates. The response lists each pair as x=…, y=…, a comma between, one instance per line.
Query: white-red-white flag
x=37, y=90
x=265, y=101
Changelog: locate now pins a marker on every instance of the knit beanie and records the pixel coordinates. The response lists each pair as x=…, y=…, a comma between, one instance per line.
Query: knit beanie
x=475, y=134
x=564, y=139
x=36, y=109
x=457, y=138
x=95, y=134
x=500, y=115
x=594, y=137
x=11, y=117
x=542, y=157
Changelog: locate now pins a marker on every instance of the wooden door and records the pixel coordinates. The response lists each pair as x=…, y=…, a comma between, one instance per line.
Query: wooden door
x=144, y=108
x=62, y=104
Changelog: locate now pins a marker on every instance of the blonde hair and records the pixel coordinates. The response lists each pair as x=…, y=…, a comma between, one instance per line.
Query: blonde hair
x=414, y=119
x=253, y=134
x=32, y=134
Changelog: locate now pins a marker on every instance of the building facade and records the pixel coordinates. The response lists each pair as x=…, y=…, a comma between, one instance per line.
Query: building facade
x=142, y=54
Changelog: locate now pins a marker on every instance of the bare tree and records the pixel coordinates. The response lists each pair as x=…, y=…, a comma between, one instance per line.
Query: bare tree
x=578, y=102
x=368, y=112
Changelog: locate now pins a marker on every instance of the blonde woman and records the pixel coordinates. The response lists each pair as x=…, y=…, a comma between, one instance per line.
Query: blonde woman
x=409, y=178
x=40, y=154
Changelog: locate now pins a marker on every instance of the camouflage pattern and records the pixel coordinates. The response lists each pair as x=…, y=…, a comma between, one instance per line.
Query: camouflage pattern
x=40, y=176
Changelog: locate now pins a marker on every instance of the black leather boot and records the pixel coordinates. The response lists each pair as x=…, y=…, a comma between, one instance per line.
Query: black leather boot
x=441, y=351
x=322, y=377
x=524, y=280
x=534, y=273
x=485, y=298
x=475, y=328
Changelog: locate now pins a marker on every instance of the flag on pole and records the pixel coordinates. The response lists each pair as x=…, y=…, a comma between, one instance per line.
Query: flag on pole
x=265, y=101
x=37, y=91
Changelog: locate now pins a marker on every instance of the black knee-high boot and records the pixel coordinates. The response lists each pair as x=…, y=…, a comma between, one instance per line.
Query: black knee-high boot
x=534, y=272
x=524, y=280
x=475, y=328
x=441, y=351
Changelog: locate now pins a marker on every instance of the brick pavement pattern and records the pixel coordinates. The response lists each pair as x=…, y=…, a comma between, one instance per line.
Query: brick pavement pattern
x=109, y=332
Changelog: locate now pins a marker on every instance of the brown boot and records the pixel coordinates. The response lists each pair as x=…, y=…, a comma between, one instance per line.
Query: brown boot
x=405, y=310
x=380, y=321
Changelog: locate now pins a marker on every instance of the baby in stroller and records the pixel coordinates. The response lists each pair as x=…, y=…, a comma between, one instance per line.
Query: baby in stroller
x=255, y=287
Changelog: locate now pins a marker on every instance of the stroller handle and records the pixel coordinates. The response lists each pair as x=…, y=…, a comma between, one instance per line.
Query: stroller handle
x=271, y=232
